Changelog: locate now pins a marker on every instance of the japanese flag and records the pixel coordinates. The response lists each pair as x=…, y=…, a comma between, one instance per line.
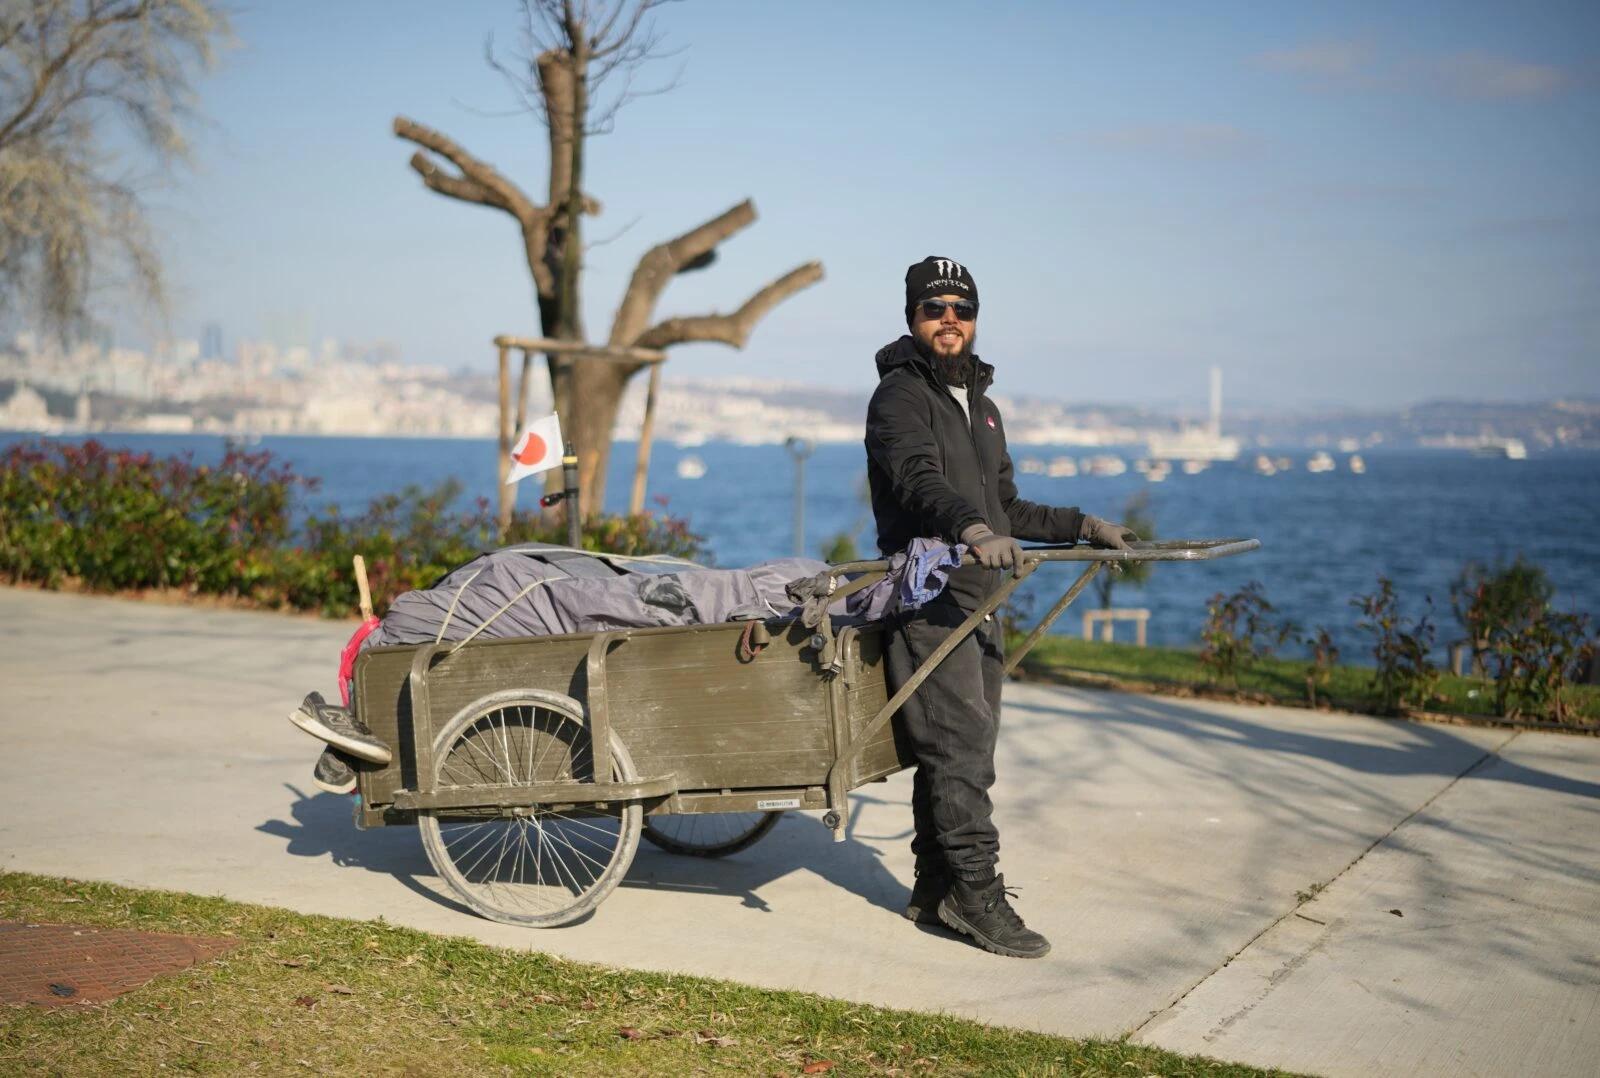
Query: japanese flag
x=538, y=450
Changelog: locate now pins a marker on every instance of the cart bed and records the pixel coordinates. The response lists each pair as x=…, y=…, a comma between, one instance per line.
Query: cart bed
x=679, y=698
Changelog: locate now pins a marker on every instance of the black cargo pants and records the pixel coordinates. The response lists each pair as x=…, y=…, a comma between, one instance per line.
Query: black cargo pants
x=951, y=724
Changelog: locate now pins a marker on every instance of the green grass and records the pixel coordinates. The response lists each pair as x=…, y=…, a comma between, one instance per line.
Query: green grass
x=1268, y=680
x=318, y=995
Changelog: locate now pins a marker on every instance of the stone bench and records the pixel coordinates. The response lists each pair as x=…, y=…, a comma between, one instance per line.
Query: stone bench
x=1465, y=656
x=1107, y=619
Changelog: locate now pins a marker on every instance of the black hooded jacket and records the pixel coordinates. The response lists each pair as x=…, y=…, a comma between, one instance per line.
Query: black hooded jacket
x=932, y=475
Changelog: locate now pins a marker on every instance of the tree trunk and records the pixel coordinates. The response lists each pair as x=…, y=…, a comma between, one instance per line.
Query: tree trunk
x=597, y=388
x=571, y=327
x=562, y=80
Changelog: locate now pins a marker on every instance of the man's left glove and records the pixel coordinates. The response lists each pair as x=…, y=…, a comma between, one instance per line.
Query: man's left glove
x=1104, y=534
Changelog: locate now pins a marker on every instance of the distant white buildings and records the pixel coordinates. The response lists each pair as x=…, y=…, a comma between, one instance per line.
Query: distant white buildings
x=265, y=390
x=168, y=423
x=741, y=411
x=27, y=410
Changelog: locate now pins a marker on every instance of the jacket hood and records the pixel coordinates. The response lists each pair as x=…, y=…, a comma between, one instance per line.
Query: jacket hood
x=903, y=353
x=898, y=353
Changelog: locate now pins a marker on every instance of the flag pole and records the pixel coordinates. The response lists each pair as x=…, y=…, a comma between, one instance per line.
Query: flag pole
x=569, y=478
x=508, y=493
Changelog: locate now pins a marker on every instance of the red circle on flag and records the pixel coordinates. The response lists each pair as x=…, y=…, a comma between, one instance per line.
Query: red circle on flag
x=533, y=452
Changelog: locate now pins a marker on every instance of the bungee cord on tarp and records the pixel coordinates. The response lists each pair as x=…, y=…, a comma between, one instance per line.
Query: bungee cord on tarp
x=490, y=620
x=448, y=614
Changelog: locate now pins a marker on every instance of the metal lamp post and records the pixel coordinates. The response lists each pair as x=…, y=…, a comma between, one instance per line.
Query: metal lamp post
x=799, y=449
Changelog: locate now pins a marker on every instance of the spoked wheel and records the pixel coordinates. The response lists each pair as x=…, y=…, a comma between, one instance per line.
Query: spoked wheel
x=532, y=865
x=709, y=834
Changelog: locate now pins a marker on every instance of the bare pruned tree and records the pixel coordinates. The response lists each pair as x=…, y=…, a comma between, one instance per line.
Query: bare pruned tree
x=574, y=68
x=71, y=73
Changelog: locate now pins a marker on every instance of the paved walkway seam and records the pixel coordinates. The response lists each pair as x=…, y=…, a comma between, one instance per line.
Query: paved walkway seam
x=1299, y=959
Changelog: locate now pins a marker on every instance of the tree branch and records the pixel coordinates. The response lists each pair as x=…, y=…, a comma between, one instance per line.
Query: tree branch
x=661, y=262
x=733, y=328
x=509, y=196
x=455, y=186
x=79, y=38
x=523, y=86
x=482, y=183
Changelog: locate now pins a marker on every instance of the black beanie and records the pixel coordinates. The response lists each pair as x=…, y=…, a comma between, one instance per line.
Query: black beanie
x=937, y=277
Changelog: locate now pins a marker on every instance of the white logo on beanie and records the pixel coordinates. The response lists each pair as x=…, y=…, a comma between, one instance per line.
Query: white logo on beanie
x=948, y=268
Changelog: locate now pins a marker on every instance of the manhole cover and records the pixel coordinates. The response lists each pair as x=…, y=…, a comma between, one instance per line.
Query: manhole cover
x=60, y=965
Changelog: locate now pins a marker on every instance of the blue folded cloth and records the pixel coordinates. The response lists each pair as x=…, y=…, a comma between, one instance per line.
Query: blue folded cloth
x=916, y=575
x=928, y=565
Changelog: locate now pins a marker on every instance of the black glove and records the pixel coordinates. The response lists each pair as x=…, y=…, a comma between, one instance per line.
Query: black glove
x=994, y=551
x=1104, y=534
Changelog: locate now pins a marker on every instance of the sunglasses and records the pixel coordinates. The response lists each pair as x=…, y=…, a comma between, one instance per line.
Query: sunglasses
x=965, y=309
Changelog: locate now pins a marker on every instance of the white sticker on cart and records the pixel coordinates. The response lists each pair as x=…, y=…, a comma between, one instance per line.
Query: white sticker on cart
x=779, y=803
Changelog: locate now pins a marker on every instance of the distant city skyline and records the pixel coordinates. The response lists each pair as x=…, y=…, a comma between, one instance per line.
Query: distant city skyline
x=356, y=389
x=1362, y=205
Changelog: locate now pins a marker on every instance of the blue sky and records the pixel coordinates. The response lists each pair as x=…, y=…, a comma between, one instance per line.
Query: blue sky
x=1352, y=204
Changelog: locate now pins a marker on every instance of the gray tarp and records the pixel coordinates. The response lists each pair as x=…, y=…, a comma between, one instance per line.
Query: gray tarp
x=554, y=589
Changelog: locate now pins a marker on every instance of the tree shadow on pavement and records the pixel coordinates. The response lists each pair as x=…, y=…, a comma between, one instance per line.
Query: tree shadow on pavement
x=1418, y=748
x=1351, y=785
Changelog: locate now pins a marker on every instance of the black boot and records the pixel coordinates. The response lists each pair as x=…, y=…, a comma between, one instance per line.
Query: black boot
x=980, y=910
x=933, y=883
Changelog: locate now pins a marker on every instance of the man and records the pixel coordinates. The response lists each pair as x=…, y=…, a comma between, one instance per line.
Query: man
x=938, y=468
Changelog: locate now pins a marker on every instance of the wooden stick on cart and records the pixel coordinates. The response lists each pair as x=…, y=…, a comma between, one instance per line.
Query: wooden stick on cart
x=363, y=588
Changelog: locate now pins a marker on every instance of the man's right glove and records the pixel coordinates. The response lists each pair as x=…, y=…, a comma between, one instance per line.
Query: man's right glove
x=994, y=551
x=1104, y=534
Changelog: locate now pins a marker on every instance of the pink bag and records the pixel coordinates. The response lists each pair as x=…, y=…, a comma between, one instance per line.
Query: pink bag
x=347, y=658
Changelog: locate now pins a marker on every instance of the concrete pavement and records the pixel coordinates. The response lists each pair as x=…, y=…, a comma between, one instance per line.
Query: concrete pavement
x=1159, y=843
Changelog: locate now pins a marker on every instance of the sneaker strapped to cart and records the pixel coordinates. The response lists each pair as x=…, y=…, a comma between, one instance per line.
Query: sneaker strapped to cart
x=339, y=728
x=335, y=772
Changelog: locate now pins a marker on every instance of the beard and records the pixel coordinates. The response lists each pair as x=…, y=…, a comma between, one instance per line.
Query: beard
x=952, y=370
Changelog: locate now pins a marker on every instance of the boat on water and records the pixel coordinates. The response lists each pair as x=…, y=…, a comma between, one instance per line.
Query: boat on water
x=691, y=467
x=1506, y=448
x=1194, y=467
x=1357, y=465
x=1106, y=464
x=1195, y=443
x=1320, y=462
x=1030, y=466
x=1264, y=465
x=1158, y=471
x=1483, y=445
x=1061, y=467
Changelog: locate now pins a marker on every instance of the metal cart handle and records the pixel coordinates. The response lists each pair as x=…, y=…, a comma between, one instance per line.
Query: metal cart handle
x=1157, y=550
x=1152, y=550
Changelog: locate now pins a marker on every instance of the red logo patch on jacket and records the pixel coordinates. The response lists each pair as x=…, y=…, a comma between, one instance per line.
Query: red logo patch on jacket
x=990, y=420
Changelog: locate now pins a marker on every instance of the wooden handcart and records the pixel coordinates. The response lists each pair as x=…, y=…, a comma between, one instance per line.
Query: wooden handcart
x=533, y=766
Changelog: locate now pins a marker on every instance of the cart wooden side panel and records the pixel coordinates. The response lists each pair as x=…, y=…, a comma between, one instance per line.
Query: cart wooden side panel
x=865, y=692
x=679, y=698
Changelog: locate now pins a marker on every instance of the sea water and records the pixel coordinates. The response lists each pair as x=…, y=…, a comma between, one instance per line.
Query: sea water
x=1415, y=516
